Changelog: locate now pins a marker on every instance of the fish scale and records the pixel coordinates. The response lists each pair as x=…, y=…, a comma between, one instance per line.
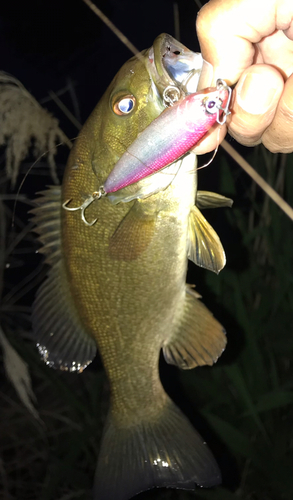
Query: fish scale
x=120, y=285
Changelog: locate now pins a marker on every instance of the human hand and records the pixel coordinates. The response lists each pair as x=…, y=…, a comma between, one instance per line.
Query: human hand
x=251, y=42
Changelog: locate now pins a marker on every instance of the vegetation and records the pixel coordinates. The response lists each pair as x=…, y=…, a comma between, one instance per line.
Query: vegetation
x=242, y=405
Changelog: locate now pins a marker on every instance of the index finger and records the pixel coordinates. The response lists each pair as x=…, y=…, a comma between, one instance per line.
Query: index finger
x=227, y=31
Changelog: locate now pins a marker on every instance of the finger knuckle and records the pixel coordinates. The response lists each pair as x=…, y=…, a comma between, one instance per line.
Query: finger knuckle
x=245, y=139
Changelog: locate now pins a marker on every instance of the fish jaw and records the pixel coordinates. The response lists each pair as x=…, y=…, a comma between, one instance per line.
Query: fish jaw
x=171, y=63
x=177, y=130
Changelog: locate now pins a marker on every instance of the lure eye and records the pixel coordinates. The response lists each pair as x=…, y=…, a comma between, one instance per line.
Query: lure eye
x=212, y=105
x=124, y=105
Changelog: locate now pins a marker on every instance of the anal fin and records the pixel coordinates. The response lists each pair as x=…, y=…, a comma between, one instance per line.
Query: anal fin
x=199, y=340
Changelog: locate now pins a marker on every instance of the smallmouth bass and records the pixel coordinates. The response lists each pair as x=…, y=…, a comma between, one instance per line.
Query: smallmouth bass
x=121, y=284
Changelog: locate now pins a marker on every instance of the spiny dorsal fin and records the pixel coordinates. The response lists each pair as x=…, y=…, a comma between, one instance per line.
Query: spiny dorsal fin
x=199, y=340
x=61, y=339
x=47, y=219
x=207, y=199
x=204, y=246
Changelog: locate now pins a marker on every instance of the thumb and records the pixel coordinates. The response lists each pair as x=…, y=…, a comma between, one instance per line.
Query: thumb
x=227, y=32
x=256, y=97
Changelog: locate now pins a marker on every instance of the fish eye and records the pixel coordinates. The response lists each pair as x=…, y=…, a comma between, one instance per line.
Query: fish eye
x=124, y=105
x=212, y=105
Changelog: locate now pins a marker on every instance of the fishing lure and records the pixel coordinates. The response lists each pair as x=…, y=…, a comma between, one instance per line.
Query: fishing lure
x=169, y=137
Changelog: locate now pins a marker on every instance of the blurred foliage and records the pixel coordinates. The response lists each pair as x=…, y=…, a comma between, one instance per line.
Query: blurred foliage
x=242, y=405
x=247, y=398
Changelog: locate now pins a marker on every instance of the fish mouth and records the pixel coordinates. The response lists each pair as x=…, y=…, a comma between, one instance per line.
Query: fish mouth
x=173, y=64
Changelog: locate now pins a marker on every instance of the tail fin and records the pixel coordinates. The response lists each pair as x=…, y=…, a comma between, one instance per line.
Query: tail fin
x=166, y=452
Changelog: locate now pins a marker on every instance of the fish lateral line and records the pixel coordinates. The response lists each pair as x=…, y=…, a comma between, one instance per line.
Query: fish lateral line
x=62, y=143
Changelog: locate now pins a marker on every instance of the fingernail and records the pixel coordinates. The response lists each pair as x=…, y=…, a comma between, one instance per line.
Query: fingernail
x=253, y=95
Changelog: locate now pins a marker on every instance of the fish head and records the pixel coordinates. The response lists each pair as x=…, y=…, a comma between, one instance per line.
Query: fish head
x=136, y=96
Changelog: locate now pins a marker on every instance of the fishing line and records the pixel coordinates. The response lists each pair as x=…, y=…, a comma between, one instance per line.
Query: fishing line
x=27, y=173
x=215, y=151
x=282, y=204
x=113, y=28
x=212, y=158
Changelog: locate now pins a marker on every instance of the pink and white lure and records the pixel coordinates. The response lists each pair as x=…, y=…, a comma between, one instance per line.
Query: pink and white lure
x=170, y=136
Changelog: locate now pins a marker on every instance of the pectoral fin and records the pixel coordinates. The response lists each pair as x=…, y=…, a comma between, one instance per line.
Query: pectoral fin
x=204, y=246
x=199, y=339
x=134, y=233
x=207, y=199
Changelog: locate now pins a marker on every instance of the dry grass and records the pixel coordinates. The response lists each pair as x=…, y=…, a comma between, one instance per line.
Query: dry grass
x=26, y=127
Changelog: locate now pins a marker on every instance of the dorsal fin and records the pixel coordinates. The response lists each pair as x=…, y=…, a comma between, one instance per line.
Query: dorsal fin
x=47, y=219
x=60, y=337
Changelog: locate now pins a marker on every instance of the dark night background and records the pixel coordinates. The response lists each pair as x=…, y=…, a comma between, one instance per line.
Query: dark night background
x=43, y=44
x=243, y=405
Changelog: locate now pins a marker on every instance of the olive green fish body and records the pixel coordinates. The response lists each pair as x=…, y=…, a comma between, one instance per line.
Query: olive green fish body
x=130, y=305
x=120, y=284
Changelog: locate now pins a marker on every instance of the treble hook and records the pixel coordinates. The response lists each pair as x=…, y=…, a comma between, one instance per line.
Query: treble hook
x=222, y=84
x=95, y=196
